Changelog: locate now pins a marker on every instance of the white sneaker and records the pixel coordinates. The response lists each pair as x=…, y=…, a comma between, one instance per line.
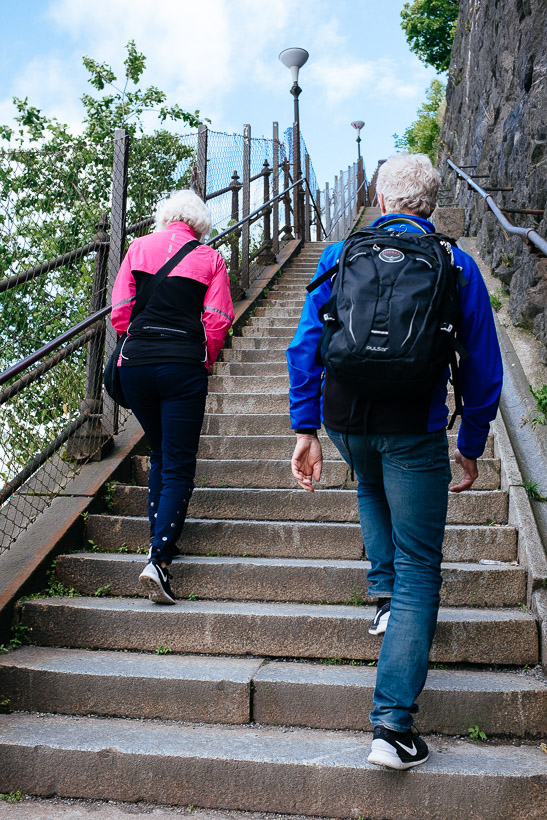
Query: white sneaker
x=155, y=581
x=379, y=624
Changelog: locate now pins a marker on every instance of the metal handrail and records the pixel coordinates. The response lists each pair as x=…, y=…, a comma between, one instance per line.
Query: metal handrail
x=344, y=211
x=526, y=234
x=25, y=363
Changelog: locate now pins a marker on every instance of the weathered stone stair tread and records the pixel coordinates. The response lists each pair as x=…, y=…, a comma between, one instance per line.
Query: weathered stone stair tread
x=281, y=579
x=463, y=635
x=322, y=505
x=129, y=684
x=262, y=768
x=340, y=697
x=218, y=689
x=283, y=540
x=276, y=473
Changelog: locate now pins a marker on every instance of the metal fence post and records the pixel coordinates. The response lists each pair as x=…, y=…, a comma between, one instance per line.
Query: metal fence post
x=287, y=231
x=318, y=206
x=234, y=252
x=342, y=206
x=246, y=204
x=115, y=256
x=335, y=208
x=296, y=190
x=360, y=179
x=266, y=255
x=275, y=190
x=202, y=162
x=307, y=214
x=327, y=210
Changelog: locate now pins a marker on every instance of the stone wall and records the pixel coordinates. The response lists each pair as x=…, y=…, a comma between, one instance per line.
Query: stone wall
x=496, y=119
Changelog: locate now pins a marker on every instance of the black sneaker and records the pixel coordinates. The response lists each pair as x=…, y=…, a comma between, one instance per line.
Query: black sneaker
x=397, y=750
x=379, y=624
x=155, y=581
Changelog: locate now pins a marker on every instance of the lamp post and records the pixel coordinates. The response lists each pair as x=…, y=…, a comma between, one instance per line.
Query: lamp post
x=294, y=59
x=358, y=124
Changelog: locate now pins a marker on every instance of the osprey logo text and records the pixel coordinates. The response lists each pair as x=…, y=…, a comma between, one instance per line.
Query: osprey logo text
x=412, y=751
x=391, y=255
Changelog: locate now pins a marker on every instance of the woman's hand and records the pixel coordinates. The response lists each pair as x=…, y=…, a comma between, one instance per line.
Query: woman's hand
x=307, y=460
x=470, y=472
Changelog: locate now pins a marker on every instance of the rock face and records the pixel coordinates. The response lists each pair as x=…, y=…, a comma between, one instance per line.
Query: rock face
x=496, y=121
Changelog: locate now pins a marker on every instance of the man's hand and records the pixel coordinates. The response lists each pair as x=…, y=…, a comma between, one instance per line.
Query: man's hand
x=470, y=472
x=307, y=460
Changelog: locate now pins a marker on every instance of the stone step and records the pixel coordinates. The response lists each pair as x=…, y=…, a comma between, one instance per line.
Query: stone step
x=284, y=331
x=483, y=636
x=247, y=424
x=263, y=369
x=273, y=302
x=472, y=507
x=263, y=769
x=276, y=473
x=250, y=384
x=218, y=690
x=278, y=579
x=285, y=539
x=260, y=322
x=266, y=446
x=128, y=684
x=271, y=354
x=340, y=697
x=247, y=342
x=222, y=402
x=283, y=311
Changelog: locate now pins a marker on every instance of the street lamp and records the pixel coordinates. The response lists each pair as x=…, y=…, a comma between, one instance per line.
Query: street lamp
x=294, y=59
x=358, y=124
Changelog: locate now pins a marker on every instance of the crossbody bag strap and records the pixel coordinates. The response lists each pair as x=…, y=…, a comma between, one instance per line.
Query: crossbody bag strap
x=158, y=277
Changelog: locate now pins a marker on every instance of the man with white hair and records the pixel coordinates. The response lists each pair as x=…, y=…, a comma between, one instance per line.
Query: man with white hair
x=398, y=449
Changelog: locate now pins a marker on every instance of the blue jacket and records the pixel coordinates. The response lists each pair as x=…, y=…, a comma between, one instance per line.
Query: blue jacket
x=481, y=373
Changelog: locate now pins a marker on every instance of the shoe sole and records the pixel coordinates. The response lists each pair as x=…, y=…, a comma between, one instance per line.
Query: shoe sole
x=381, y=628
x=154, y=590
x=385, y=757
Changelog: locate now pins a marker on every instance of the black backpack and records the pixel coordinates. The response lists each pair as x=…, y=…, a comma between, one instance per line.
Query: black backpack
x=389, y=327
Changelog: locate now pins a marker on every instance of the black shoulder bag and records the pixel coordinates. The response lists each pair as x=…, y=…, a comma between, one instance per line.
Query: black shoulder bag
x=111, y=379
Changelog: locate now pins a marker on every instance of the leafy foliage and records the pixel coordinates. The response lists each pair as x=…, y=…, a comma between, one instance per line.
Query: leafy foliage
x=422, y=137
x=429, y=26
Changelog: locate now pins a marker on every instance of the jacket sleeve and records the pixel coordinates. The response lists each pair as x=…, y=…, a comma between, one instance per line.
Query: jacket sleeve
x=218, y=311
x=481, y=373
x=124, y=289
x=305, y=374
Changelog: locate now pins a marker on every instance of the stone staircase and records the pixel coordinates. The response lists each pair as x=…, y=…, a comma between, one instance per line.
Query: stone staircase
x=253, y=692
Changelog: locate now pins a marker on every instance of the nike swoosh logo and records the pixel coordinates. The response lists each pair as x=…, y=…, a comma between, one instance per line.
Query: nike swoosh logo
x=412, y=751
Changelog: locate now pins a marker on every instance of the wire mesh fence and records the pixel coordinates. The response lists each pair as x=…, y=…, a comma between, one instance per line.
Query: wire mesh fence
x=65, y=222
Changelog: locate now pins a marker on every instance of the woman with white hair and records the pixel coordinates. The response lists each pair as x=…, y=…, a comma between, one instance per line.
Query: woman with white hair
x=164, y=362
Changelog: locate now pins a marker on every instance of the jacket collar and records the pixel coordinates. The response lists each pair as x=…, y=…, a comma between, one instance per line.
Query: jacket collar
x=428, y=226
x=183, y=228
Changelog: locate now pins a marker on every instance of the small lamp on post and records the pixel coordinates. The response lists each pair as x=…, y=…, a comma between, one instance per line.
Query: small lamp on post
x=294, y=59
x=358, y=124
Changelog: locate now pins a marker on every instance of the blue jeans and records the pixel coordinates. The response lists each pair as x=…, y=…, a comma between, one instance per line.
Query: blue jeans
x=402, y=492
x=169, y=402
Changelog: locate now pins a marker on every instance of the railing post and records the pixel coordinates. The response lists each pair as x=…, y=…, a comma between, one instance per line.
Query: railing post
x=296, y=191
x=318, y=206
x=342, y=206
x=327, y=210
x=266, y=255
x=307, y=214
x=115, y=256
x=234, y=252
x=201, y=186
x=287, y=231
x=246, y=204
x=360, y=180
x=275, y=190
x=335, y=209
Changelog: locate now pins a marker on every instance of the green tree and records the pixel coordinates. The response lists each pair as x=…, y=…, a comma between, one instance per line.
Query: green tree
x=422, y=137
x=54, y=186
x=430, y=26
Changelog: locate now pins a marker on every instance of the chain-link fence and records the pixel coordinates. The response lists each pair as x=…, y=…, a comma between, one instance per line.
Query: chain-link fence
x=65, y=222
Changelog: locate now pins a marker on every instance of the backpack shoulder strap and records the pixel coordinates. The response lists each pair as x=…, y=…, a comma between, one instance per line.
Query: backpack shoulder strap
x=323, y=278
x=397, y=220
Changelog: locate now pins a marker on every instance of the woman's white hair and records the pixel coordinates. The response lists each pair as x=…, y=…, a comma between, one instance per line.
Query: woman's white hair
x=409, y=182
x=184, y=206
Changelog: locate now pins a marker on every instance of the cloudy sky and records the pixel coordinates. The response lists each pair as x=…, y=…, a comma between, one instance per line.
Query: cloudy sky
x=221, y=57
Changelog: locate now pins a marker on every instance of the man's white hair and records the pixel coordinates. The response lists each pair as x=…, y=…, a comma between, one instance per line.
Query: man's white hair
x=184, y=206
x=409, y=182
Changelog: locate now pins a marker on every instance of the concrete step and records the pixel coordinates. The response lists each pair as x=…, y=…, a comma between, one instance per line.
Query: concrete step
x=483, y=636
x=247, y=342
x=284, y=539
x=264, y=369
x=225, y=445
x=283, y=311
x=340, y=697
x=272, y=301
x=273, y=321
x=267, y=769
x=270, y=354
x=222, y=402
x=474, y=507
x=128, y=684
x=276, y=473
x=284, y=331
x=282, y=579
x=251, y=424
x=218, y=690
x=250, y=384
